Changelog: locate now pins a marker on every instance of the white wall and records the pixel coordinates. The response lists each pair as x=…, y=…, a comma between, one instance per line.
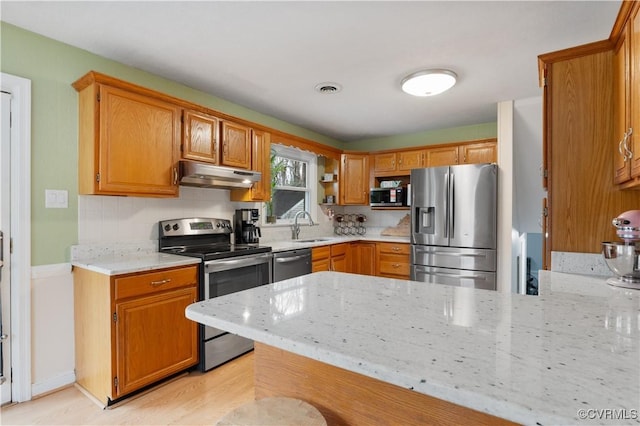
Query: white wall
x=527, y=147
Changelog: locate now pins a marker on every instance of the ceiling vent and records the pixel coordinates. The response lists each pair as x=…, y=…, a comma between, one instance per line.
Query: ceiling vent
x=328, y=88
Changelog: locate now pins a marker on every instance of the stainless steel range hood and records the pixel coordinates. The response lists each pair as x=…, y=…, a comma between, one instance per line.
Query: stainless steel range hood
x=209, y=176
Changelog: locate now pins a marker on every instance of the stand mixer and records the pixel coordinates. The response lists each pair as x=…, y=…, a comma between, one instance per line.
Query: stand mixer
x=623, y=258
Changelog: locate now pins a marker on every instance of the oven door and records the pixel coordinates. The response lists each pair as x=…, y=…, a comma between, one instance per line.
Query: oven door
x=226, y=276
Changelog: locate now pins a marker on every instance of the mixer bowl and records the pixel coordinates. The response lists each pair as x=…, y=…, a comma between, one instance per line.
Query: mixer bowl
x=623, y=259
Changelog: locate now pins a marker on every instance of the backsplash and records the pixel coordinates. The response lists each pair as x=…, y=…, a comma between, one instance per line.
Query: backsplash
x=133, y=221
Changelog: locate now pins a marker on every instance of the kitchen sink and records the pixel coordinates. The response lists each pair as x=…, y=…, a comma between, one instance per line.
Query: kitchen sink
x=315, y=240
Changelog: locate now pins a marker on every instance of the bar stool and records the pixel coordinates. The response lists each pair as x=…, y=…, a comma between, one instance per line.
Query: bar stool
x=275, y=411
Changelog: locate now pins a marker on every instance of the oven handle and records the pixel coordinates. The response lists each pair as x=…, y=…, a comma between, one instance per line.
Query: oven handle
x=236, y=262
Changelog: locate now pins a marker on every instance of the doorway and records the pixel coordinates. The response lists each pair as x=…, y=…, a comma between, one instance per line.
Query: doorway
x=5, y=257
x=15, y=221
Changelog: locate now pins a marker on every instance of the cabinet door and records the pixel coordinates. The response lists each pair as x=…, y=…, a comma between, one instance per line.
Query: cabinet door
x=384, y=162
x=200, y=137
x=634, y=117
x=478, y=153
x=320, y=259
x=259, y=191
x=408, y=160
x=621, y=71
x=236, y=145
x=363, y=258
x=354, y=178
x=154, y=339
x=441, y=156
x=339, y=258
x=139, y=144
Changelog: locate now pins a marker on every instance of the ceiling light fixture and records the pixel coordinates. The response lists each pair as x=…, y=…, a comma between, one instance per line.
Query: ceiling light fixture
x=429, y=82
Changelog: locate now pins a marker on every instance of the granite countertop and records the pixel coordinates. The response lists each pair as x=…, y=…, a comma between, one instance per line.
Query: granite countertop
x=116, y=259
x=117, y=264
x=529, y=359
x=277, y=246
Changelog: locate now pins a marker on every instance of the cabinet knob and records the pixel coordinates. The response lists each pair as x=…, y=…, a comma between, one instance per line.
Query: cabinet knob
x=396, y=265
x=394, y=248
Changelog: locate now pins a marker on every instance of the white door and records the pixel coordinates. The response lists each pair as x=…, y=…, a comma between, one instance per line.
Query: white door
x=5, y=281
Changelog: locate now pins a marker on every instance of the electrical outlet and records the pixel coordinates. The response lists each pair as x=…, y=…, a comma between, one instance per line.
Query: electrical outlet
x=56, y=198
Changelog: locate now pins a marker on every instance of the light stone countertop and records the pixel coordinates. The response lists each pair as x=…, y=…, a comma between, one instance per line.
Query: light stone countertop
x=125, y=264
x=529, y=359
x=116, y=259
x=278, y=246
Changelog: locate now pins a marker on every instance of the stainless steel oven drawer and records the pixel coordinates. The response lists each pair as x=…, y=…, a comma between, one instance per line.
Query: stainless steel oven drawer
x=224, y=348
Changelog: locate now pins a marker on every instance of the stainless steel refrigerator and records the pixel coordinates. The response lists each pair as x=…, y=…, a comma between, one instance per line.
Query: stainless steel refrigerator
x=454, y=225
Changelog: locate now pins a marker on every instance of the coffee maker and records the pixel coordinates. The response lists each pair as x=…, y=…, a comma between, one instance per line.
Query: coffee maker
x=245, y=229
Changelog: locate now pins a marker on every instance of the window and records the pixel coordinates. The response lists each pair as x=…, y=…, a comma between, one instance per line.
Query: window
x=293, y=184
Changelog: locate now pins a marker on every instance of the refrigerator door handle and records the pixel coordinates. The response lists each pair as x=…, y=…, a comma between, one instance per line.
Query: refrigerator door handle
x=452, y=205
x=446, y=211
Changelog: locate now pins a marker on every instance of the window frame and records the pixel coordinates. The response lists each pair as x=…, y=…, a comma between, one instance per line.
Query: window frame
x=311, y=185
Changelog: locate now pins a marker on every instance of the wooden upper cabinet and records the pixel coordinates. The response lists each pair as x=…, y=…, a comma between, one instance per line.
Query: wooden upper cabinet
x=441, y=156
x=236, y=145
x=408, y=160
x=621, y=109
x=128, y=142
x=260, y=156
x=634, y=118
x=354, y=178
x=200, y=137
x=485, y=152
x=385, y=162
x=390, y=163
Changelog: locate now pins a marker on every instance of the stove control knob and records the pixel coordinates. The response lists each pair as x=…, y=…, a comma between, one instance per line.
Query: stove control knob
x=176, y=227
x=217, y=224
x=167, y=227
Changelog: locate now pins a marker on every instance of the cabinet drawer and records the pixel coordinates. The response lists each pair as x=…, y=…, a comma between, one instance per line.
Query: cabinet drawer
x=323, y=252
x=395, y=265
x=338, y=249
x=153, y=282
x=393, y=248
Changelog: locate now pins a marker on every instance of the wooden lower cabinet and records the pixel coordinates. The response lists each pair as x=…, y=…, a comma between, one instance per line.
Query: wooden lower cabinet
x=330, y=258
x=339, y=257
x=131, y=331
x=363, y=258
x=393, y=260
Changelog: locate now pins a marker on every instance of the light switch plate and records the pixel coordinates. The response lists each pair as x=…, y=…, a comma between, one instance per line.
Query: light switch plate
x=56, y=198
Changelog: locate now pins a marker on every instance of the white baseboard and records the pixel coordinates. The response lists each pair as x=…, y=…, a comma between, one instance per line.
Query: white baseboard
x=53, y=383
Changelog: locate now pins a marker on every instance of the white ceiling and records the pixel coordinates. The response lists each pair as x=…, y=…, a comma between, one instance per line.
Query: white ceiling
x=268, y=56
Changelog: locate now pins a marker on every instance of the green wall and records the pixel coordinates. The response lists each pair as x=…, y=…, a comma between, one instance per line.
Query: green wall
x=477, y=131
x=52, y=67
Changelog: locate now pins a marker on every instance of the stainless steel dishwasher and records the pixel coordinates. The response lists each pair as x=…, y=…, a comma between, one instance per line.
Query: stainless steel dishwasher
x=291, y=263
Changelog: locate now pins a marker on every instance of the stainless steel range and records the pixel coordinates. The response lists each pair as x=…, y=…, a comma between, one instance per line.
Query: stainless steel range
x=225, y=268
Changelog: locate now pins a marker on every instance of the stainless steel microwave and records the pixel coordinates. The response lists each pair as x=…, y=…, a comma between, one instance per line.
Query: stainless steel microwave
x=388, y=197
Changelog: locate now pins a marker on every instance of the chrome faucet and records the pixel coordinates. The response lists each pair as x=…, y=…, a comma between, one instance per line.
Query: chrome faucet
x=295, y=230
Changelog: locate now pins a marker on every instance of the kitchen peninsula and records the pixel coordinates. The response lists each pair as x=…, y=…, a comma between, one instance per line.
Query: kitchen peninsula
x=479, y=354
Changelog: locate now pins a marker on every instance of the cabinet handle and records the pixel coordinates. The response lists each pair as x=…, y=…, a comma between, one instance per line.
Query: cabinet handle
x=175, y=175
x=396, y=265
x=224, y=148
x=622, y=145
x=395, y=248
x=161, y=282
x=626, y=147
